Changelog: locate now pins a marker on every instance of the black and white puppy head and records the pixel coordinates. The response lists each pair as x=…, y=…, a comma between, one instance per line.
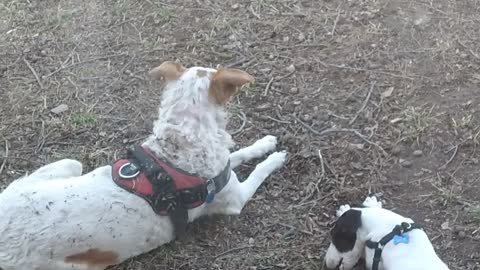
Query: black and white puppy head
x=347, y=246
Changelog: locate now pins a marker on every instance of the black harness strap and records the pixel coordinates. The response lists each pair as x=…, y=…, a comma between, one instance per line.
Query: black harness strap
x=378, y=246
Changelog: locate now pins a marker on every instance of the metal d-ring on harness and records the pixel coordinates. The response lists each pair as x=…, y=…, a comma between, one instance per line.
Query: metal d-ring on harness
x=397, y=234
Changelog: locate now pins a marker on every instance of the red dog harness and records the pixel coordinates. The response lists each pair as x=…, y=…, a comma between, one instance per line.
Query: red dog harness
x=168, y=190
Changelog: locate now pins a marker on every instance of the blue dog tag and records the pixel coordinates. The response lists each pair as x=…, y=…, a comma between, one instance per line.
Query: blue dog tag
x=210, y=197
x=210, y=191
x=397, y=239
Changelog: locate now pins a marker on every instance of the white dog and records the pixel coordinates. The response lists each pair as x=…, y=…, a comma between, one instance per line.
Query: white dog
x=58, y=219
x=358, y=231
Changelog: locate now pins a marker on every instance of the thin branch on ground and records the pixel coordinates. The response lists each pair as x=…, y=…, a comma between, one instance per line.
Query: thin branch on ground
x=82, y=62
x=285, y=76
x=322, y=165
x=265, y=92
x=295, y=228
x=307, y=126
x=231, y=250
x=355, y=132
x=371, y=70
x=244, y=122
x=5, y=158
x=444, y=166
x=364, y=105
x=34, y=73
x=336, y=19
x=468, y=49
x=238, y=63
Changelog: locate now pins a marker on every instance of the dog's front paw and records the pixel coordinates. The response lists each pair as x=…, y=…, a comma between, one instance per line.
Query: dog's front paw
x=342, y=209
x=372, y=202
x=265, y=145
x=276, y=160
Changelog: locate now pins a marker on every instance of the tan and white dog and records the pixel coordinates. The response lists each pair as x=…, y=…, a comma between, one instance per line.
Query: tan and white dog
x=357, y=228
x=58, y=219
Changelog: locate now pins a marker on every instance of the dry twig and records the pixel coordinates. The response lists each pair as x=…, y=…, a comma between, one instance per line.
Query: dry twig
x=34, y=73
x=5, y=158
x=244, y=121
x=444, y=166
x=231, y=250
x=365, y=102
x=265, y=93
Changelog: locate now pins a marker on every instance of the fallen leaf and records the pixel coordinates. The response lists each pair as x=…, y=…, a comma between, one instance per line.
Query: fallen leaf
x=388, y=92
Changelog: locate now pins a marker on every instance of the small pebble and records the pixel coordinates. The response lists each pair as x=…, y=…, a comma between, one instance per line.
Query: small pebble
x=306, y=118
x=235, y=6
x=251, y=241
x=461, y=234
x=417, y=153
x=405, y=163
x=396, y=150
x=301, y=37
x=290, y=68
x=294, y=90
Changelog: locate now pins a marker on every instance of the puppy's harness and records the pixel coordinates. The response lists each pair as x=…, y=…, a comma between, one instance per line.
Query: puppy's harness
x=398, y=236
x=169, y=191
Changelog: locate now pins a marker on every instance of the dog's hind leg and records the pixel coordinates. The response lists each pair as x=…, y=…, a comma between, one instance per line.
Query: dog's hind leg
x=256, y=150
x=64, y=168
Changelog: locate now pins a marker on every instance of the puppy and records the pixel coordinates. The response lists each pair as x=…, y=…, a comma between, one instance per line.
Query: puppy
x=357, y=232
x=58, y=219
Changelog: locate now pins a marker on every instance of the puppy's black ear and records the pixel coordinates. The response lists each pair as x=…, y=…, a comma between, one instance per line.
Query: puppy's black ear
x=344, y=233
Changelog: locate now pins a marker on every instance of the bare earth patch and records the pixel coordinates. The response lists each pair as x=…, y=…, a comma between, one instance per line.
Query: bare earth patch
x=377, y=96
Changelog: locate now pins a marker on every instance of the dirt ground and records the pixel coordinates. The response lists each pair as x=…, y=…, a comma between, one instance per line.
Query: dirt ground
x=366, y=96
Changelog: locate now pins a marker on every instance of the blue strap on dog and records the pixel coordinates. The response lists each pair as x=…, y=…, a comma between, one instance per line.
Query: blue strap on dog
x=397, y=235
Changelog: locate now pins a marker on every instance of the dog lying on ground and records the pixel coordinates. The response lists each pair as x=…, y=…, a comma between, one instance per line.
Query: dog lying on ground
x=58, y=219
x=386, y=240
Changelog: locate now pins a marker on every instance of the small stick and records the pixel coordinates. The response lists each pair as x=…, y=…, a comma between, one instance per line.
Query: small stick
x=244, y=121
x=321, y=164
x=358, y=134
x=268, y=87
x=34, y=73
x=336, y=20
x=5, y=159
x=81, y=62
x=364, y=103
x=254, y=13
x=232, y=250
x=307, y=126
x=285, y=76
x=444, y=166
x=295, y=228
x=238, y=63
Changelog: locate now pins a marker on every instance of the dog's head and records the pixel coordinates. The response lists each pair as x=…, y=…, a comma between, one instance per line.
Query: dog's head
x=215, y=86
x=347, y=247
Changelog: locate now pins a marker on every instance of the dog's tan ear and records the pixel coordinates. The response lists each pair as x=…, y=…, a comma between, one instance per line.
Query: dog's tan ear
x=167, y=71
x=226, y=82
